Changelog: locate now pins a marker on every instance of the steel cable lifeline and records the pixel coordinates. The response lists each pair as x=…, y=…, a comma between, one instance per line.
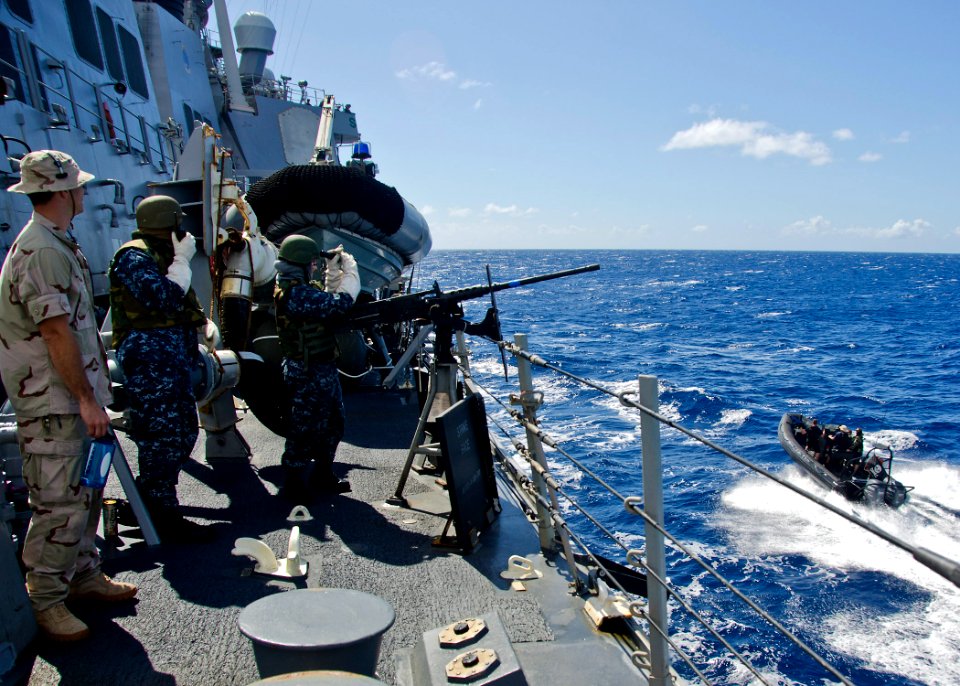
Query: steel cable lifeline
x=528, y=487
x=635, y=607
x=945, y=567
x=629, y=504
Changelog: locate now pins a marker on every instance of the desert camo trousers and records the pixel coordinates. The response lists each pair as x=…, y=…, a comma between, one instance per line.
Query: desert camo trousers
x=60, y=543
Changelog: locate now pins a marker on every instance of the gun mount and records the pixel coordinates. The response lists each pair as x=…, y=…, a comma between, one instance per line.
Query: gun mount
x=444, y=309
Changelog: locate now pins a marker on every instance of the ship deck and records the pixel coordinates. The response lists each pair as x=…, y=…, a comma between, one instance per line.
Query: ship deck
x=183, y=628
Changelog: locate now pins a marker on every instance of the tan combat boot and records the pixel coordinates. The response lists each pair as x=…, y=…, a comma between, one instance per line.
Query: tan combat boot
x=101, y=587
x=59, y=624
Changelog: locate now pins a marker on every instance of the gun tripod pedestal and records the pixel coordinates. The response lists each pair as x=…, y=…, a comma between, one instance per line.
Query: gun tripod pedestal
x=122, y=468
x=441, y=394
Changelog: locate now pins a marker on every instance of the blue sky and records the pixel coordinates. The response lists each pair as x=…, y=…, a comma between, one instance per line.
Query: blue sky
x=679, y=125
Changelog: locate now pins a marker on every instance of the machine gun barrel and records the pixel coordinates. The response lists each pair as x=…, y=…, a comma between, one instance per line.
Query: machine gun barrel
x=420, y=305
x=471, y=292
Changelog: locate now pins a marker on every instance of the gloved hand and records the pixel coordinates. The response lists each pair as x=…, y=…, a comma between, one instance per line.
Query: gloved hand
x=179, y=270
x=185, y=248
x=350, y=280
x=333, y=274
x=210, y=335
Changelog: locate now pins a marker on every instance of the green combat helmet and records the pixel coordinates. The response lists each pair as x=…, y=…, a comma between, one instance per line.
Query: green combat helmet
x=159, y=214
x=299, y=249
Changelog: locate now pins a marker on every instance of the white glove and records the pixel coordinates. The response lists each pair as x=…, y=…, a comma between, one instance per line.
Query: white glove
x=179, y=270
x=210, y=335
x=185, y=248
x=333, y=274
x=350, y=279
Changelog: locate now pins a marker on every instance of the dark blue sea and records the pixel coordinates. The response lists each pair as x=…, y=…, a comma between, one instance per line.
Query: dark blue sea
x=736, y=339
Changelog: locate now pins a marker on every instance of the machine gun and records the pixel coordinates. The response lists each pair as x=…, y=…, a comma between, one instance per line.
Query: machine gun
x=442, y=312
x=445, y=310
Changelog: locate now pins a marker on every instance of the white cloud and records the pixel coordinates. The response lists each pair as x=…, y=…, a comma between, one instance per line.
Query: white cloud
x=820, y=227
x=512, y=210
x=708, y=110
x=815, y=226
x=904, y=229
x=902, y=137
x=753, y=139
x=478, y=104
x=427, y=210
x=700, y=228
x=459, y=211
x=870, y=157
x=957, y=231
x=466, y=84
x=431, y=70
x=843, y=135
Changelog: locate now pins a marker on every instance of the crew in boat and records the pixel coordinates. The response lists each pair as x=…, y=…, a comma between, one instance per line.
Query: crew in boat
x=814, y=439
x=856, y=443
x=837, y=449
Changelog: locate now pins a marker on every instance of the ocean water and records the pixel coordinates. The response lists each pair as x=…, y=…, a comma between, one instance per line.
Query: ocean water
x=736, y=339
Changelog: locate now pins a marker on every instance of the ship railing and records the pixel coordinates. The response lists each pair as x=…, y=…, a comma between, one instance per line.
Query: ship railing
x=650, y=639
x=71, y=101
x=282, y=88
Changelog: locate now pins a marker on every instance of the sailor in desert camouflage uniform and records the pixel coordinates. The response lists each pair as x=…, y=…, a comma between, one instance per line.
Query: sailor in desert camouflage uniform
x=55, y=373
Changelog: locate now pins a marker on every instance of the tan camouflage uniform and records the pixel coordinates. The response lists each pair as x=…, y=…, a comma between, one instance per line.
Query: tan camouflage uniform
x=45, y=275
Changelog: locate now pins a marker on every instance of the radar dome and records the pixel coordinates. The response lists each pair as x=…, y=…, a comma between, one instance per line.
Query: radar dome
x=255, y=31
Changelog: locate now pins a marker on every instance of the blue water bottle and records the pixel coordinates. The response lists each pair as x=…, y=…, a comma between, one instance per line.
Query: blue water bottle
x=98, y=462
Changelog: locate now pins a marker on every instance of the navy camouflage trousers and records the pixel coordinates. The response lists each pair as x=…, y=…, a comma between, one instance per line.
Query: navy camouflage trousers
x=163, y=416
x=316, y=425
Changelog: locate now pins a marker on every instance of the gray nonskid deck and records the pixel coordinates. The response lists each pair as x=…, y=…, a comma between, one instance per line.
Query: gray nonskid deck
x=183, y=627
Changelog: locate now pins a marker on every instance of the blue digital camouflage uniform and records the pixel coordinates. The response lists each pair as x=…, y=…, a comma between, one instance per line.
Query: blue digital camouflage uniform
x=156, y=365
x=316, y=415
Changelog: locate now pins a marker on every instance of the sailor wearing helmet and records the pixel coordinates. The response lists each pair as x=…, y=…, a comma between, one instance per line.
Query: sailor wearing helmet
x=55, y=373
x=309, y=348
x=156, y=318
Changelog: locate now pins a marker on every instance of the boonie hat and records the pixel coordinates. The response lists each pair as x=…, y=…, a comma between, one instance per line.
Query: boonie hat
x=844, y=428
x=49, y=170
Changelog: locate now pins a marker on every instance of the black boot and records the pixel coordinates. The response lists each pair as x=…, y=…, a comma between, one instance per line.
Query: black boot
x=173, y=527
x=323, y=480
x=294, y=487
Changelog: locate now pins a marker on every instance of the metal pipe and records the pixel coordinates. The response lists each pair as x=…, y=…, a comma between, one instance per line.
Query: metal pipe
x=544, y=522
x=118, y=193
x=236, y=100
x=147, y=152
x=653, y=506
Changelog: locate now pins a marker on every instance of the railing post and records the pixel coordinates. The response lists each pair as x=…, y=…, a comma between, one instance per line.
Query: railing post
x=530, y=403
x=653, y=506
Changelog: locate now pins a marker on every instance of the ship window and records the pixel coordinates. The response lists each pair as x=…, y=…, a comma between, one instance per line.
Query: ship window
x=21, y=8
x=189, y=115
x=84, y=33
x=8, y=65
x=111, y=50
x=133, y=62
